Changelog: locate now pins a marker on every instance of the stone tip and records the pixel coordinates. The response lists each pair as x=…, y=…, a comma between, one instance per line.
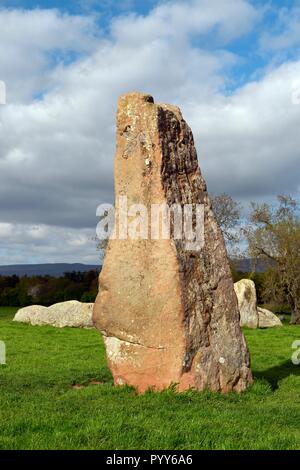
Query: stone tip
x=171, y=107
x=137, y=96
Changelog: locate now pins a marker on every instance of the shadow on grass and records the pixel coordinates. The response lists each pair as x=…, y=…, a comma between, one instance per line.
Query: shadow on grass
x=275, y=374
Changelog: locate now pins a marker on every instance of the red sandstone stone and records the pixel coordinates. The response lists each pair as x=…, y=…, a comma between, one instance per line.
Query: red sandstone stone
x=168, y=315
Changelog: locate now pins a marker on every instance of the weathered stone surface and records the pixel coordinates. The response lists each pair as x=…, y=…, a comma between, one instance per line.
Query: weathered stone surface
x=72, y=313
x=267, y=319
x=168, y=315
x=29, y=314
x=246, y=294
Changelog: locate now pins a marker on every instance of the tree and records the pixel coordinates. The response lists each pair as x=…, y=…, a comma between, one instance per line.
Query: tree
x=227, y=212
x=274, y=235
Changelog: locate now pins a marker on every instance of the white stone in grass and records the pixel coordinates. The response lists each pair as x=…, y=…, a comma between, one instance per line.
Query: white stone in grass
x=71, y=313
x=267, y=319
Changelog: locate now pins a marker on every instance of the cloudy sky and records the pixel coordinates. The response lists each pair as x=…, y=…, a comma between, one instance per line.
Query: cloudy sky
x=233, y=66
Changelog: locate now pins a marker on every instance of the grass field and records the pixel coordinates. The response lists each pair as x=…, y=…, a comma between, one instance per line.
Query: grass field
x=48, y=399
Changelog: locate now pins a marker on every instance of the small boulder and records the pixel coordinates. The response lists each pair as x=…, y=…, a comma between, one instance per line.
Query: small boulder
x=72, y=314
x=31, y=314
x=267, y=319
x=246, y=295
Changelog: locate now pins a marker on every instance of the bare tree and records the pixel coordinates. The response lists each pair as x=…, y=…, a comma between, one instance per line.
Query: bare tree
x=274, y=235
x=228, y=213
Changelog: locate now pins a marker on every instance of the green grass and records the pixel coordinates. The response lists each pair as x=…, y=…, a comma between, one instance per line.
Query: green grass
x=41, y=409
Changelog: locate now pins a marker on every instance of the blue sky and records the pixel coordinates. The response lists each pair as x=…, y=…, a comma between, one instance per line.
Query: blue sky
x=247, y=47
x=252, y=57
x=105, y=8
x=233, y=67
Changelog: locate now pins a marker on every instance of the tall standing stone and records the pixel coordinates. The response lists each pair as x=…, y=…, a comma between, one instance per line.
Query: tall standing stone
x=247, y=301
x=168, y=315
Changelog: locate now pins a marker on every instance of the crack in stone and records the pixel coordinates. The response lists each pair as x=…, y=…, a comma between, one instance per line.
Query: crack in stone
x=136, y=343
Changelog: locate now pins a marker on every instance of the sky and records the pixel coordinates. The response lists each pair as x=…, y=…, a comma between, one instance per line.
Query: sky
x=232, y=66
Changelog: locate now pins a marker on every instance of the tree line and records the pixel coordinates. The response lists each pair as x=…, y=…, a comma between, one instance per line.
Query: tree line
x=18, y=291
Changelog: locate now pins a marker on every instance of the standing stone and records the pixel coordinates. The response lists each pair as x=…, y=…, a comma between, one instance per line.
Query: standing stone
x=246, y=294
x=168, y=315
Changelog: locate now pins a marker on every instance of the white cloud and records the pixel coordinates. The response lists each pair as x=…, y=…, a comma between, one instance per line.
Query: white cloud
x=6, y=230
x=31, y=40
x=250, y=141
x=286, y=33
x=176, y=20
x=56, y=155
x=21, y=243
x=37, y=232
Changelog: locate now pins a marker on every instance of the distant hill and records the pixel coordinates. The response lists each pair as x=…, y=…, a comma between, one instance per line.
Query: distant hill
x=51, y=269
x=58, y=269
